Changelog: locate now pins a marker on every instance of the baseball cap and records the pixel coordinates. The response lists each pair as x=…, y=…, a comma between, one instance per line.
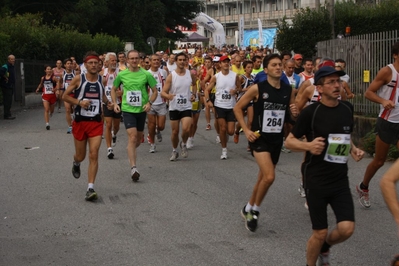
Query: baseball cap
x=225, y=57
x=297, y=56
x=216, y=59
x=326, y=71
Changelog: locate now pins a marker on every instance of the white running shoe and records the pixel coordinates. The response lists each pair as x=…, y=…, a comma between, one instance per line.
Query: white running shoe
x=190, y=143
x=174, y=156
x=301, y=191
x=184, y=152
x=152, y=148
x=224, y=154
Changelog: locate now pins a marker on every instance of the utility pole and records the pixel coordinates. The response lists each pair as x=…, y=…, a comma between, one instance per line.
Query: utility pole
x=332, y=16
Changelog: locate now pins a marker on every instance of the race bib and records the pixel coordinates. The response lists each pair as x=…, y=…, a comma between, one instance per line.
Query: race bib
x=273, y=121
x=133, y=98
x=48, y=89
x=223, y=96
x=92, y=110
x=338, y=148
x=181, y=100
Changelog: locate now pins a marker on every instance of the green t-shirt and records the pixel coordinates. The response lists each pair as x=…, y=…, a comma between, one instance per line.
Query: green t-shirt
x=135, y=94
x=256, y=71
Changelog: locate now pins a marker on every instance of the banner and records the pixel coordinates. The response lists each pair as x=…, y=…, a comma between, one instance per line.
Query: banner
x=210, y=24
x=241, y=32
x=251, y=37
x=260, y=32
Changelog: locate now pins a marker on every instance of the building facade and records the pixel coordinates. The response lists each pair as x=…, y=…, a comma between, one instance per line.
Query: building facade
x=228, y=13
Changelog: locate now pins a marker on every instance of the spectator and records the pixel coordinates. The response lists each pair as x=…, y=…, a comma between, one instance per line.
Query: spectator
x=7, y=84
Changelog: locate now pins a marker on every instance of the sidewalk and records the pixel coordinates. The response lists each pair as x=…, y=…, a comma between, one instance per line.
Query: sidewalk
x=31, y=100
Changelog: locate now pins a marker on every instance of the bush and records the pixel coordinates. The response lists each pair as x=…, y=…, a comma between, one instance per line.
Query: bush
x=31, y=39
x=369, y=146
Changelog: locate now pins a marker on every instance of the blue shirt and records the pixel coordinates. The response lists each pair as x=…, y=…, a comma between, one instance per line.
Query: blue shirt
x=262, y=76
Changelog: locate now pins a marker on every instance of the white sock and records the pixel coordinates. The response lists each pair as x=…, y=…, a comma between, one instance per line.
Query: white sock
x=248, y=207
x=224, y=149
x=91, y=185
x=256, y=208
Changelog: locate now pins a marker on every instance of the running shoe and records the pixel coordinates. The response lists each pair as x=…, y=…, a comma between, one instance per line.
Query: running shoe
x=251, y=220
x=69, y=131
x=208, y=127
x=113, y=139
x=363, y=196
x=152, y=148
x=76, y=171
x=48, y=127
x=184, y=151
x=217, y=139
x=285, y=150
x=110, y=153
x=190, y=143
x=135, y=174
x=236, y=138
x=324, y=259
x=244, y=213
x=224, y=154
x=159, y=136
x=91, y=195
x=301, y=191
x=174, y=156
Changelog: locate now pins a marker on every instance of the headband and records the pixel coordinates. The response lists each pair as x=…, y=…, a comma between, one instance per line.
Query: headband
x=91, y=57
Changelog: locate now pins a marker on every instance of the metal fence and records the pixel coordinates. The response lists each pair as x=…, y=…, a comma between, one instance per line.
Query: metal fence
x=369, y=52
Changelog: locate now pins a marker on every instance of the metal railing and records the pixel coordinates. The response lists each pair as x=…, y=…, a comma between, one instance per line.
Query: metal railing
x=362, y=53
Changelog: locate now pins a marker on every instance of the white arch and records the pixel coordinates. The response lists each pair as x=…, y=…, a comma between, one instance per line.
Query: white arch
x=219, y=36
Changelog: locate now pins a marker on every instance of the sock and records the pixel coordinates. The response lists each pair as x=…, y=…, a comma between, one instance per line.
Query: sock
x=224, y=149
x=363, y=186
x=248, y=207
x=47, y=124
x=256, y=208
x=75, y=163
x=133, y=167
x=91, y=185
x=183, y=144
x=109, y=148
x=174, y=149
x=325, y=247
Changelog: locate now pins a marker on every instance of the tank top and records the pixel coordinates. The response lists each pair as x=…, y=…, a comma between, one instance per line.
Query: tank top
x=58, y=73
x=67, y=78
x=48, y=85
x=92, y=91
x=390, y=92
x=110, y=78
x=224, y=83
x=181, y=89
x=246, y=83
x=271, y=110
x=160, y=77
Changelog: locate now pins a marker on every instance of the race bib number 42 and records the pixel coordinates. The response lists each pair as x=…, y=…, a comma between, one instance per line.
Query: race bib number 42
x=338, y=148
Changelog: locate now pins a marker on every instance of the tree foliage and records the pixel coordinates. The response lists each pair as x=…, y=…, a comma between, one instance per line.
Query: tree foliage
x=308, y=27
x=130, y=20
x=311, y=26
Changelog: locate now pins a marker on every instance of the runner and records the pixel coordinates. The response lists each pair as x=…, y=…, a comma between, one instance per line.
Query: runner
x=112, y=119
x=382, y=90
x=157, y=114
x=49, y=85
x=66, y=80
x=135, y=104
x=177, y=92
x=88, y=125
x=273, y=103
x=227, y=86
x=325, y=168
x=59, y=72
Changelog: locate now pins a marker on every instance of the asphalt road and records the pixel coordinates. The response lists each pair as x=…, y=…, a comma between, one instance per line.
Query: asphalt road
x=180, y=213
